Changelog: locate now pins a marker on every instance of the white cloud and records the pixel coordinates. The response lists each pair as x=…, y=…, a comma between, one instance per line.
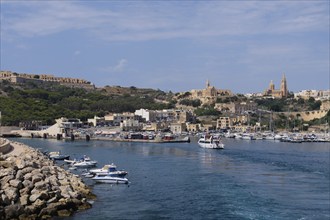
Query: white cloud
x=116, y=21
x=121, y=64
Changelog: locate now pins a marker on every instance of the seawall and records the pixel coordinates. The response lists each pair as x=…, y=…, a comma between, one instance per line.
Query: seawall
x=33, y=187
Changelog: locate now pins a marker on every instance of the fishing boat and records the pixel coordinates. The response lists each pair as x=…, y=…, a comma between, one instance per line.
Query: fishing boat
x=209, y=141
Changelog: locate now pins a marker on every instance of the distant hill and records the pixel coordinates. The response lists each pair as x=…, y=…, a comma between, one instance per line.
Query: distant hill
x=45, y=102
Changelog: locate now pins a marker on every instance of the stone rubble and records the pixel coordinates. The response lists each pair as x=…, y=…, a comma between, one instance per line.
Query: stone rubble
x=33, y=187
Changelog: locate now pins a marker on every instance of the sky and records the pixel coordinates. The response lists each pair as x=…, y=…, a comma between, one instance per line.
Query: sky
x=170, y=45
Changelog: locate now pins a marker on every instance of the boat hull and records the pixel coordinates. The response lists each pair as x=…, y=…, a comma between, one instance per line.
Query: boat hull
x=211, y=145
x=109, y=179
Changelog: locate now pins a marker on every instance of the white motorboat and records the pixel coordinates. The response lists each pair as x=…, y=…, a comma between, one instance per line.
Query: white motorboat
x=109, y=169
x=208, y=141
x=109, y=178
x=84, y=162
x=56, y=155
x=106, y=169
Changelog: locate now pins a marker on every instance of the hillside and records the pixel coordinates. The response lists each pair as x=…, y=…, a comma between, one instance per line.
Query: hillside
x=48, y=101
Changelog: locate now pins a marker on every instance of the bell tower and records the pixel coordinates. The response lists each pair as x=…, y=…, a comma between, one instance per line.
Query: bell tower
x=284, y=87
x=207, y=83
x=271, y=86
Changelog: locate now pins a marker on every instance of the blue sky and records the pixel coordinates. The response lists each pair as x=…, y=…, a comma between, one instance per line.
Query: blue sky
x=170, y=45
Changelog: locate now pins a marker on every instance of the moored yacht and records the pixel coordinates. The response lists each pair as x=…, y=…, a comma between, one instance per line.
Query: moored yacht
x=107, y=169
x=209, y=141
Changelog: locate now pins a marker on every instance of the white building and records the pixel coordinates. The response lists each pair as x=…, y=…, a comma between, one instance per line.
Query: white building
x=316, y=94
x=148, y=115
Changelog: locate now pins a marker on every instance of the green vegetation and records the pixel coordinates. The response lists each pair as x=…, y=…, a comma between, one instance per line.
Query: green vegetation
x=50, y=101
x=188, y=102
x=207, y=111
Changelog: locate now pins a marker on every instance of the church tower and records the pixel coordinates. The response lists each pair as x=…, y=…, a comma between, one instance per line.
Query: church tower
x=284, y=87
x=271, y=86
x=207, y=83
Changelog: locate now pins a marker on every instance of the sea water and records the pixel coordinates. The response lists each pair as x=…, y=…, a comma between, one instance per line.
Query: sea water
x=246, y=180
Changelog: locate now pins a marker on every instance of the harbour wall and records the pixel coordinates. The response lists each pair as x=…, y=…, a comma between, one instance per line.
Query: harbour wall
x=5, y=146
x=33, y=187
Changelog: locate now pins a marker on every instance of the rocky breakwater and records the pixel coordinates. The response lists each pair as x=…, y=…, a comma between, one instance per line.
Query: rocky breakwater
x=33, y=187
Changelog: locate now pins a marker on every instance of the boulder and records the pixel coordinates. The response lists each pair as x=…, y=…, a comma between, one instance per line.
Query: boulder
x=42, y=195
x=5, y=200
x=27, y=170
x=50, y=209
x=21, y=164
x=64, y=213
x=39, y=204
x=41, y=185
x=12, y=194
x=12, y=211
x=36, y=178
x=19, y=175
x=6, y=179
x=28, y=176
x=6, y=164
x=16, y=183
x=24, y=200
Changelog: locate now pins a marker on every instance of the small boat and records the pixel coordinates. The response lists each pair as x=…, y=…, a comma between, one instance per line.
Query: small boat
x=56, y=155
x=109, y=178
x=109, y=169
x=208, y=141
x=84, y=162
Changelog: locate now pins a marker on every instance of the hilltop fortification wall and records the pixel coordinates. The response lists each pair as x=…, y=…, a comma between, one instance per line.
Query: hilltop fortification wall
x=307, y=115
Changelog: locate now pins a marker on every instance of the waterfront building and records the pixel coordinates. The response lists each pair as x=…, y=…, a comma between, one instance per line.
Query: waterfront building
x=117, y=118
x=178, y=128
x=96, y=121
x=148, y=115
x=281, y=93
x=152, y=126
x=130, y=125
x=192, y=127
x=207, y=127
x=224, y=123
x=231, y=121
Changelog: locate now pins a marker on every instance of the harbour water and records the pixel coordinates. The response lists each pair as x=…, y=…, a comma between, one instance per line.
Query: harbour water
x=246, y=180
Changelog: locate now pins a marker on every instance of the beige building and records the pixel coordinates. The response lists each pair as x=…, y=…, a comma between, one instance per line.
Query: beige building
x=209, y=94
x=154, y=126
x=281, y=93
x=224, y=123
x=193, y=127
x=117, y=118
x=178, y=128
x=229, y=122
x=207, y=127
x=316, y=94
